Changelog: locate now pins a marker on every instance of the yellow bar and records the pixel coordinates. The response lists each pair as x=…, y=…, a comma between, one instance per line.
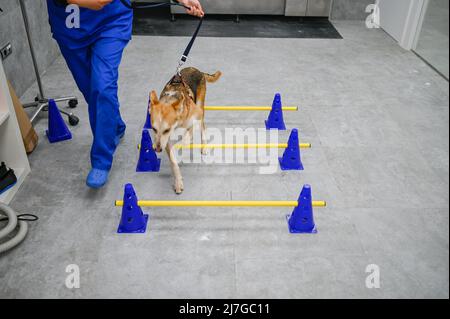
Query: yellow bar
x=235, y=146
x=246, y=146
x=248, y=108
x=161, y=203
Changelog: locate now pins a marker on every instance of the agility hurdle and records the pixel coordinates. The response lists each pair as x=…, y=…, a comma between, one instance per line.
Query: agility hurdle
x=291, y=159
x=248, y=108
x=301, y=220
x=239, y=146
x=274, y=121
x=218, y=203
x=235, y=146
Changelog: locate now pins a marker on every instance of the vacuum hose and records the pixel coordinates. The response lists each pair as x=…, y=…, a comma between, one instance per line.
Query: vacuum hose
x=10, y=227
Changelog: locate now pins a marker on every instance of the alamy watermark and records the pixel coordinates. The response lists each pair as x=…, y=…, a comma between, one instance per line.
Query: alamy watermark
x=73, y=277
x=73, y=17
x=373, y=279
x=231, y=146
x=373, y=20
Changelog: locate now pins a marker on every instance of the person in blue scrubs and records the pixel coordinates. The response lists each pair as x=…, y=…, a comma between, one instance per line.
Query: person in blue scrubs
x=93, y=52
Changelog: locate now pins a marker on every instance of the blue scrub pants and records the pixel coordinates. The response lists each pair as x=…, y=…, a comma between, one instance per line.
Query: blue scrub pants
x=95, y=69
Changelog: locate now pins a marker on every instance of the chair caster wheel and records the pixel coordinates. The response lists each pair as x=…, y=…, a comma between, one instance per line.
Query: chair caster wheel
x=73, y=120
x=73, y=104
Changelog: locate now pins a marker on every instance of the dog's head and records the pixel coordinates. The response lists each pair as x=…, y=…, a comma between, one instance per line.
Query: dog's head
x=165, y=118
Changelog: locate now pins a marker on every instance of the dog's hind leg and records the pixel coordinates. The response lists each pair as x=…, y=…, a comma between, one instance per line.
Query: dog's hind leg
x=204, y=140
x=201, y=97
x=178, y=179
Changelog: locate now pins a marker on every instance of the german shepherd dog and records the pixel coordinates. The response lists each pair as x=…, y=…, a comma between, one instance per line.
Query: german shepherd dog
x=180, y=105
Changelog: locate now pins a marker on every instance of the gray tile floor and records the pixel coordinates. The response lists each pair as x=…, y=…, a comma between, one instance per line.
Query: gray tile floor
x=378, y=119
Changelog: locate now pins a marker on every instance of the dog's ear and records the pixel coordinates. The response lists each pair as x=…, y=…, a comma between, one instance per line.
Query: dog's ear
x=153, y=98
x=178, y=105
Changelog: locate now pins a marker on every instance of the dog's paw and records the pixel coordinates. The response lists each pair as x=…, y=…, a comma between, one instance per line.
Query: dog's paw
x=178, y=186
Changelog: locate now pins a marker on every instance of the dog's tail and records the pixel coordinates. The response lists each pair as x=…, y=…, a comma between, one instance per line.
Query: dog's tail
x=211, y=78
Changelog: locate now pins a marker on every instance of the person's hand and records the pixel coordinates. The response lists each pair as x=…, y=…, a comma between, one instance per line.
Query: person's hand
x=195, y=7
x=91, y=4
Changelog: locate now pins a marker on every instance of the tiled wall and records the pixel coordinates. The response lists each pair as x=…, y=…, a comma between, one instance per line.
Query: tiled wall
x=18, y=66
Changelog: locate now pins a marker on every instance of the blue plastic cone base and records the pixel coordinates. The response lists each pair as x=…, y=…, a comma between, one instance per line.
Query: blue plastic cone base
x=124, y=230
x=148, y=160
x=57, y=128
x=148, y=167
x=291, y=159
x=271, y=126
x=293, y=165
x=133, y=220
x=301, y=221
x=276, y=120
x=297, y=231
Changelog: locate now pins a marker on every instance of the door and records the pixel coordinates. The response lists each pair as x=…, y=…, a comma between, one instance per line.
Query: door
x=400, y=19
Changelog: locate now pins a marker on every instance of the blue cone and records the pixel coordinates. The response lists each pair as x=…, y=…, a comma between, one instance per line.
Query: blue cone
x=301, y=221
x=148, y=122
x=133, y=219
x=275, y=120
x=57, y=128
x=148, y=161
x=291, y=159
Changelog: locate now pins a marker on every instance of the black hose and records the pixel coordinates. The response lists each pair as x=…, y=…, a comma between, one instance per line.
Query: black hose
x=22, y=217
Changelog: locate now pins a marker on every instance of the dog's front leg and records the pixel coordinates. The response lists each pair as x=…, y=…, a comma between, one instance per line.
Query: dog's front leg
x=178, y=185
x=187, y=137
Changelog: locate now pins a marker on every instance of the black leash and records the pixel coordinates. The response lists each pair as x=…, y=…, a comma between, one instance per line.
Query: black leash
x=184, y=57
x=191, y=44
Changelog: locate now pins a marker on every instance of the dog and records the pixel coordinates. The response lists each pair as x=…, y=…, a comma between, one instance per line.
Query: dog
x=180, y=105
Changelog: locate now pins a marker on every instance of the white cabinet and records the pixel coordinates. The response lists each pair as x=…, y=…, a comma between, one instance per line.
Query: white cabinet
x=319, y=8
x=300, y=8
x=296, y=8
x=275, y=7
x=309, y=8
x=12, y=150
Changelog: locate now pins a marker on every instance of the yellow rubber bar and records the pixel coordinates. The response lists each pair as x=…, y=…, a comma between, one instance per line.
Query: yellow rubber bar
x=248, y=108
x=161, y=203
x=235, y=146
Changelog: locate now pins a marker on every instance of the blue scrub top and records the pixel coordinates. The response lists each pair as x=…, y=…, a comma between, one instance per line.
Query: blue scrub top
x=113, y=21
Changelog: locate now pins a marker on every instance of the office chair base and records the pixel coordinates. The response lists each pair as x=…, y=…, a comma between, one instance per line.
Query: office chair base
x=41, y=105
